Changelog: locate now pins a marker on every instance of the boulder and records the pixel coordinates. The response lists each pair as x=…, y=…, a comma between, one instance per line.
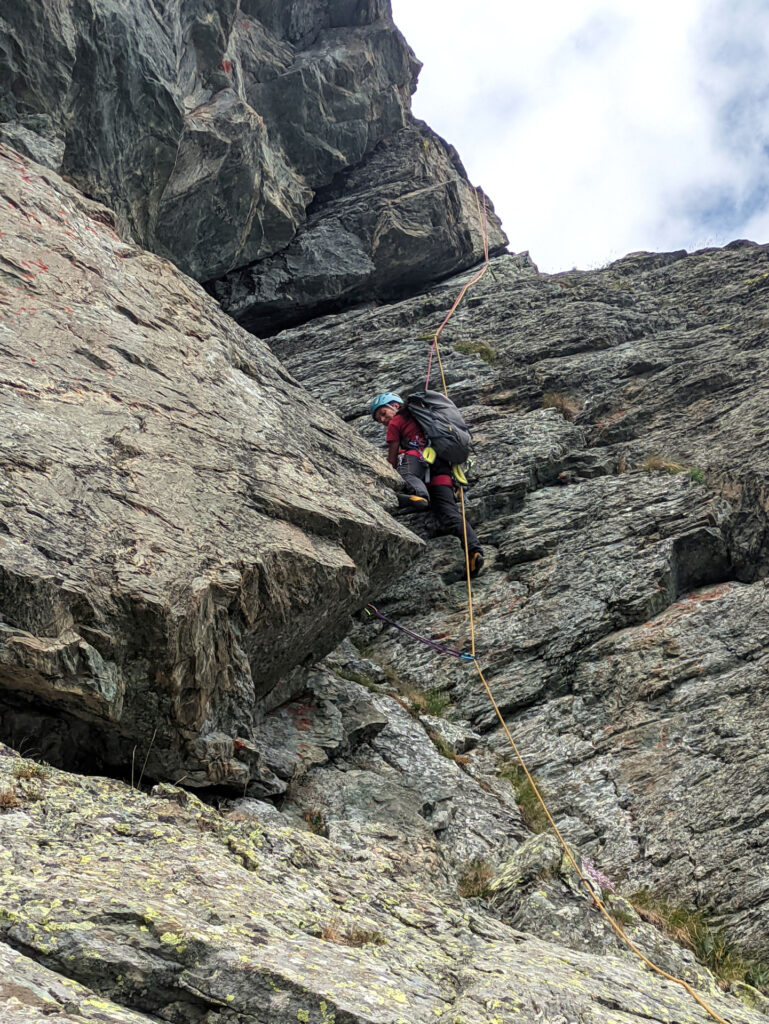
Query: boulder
x=180, y=523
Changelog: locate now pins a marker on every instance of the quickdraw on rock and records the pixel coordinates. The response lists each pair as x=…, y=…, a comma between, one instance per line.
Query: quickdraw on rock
x=440, y=648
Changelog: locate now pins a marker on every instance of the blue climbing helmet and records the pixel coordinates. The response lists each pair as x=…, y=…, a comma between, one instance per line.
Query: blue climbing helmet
x=384, y=399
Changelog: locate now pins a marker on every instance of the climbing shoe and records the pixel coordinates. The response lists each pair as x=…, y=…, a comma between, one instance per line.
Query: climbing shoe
x=476, y=563
x=414, y=502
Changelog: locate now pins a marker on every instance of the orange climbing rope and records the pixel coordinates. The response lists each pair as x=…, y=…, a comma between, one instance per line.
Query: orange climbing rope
x=582, y=877
x=474, y=280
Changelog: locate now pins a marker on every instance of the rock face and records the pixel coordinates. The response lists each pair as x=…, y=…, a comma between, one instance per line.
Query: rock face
x=622, y=617
x=216, y=130
x=171, y=500
x=185, y=532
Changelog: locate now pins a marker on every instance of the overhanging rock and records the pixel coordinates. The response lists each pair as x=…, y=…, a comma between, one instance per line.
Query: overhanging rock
x=180, y=524
x=402, y=218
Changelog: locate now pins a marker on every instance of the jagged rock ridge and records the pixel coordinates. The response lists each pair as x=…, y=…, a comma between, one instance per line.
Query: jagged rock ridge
x=222, y=133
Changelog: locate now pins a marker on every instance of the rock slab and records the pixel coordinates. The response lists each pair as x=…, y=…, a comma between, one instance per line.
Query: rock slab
x=180, y=524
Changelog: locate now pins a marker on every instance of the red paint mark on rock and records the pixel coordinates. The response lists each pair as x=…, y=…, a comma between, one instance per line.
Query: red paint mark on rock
x=227, y=66
x=705, y=595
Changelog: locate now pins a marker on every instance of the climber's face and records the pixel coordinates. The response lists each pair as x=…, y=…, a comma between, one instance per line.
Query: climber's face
x=384, y=414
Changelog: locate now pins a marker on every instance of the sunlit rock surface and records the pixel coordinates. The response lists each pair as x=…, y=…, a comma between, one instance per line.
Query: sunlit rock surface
x=160, y=908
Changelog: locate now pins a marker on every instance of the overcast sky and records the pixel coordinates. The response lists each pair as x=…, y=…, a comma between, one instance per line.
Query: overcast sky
x=600, y=128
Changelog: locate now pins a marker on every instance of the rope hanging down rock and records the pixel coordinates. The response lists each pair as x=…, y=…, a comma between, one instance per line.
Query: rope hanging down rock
x=584, y=880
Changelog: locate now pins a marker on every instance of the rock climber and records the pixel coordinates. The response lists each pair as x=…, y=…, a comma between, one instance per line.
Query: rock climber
x=427, y=485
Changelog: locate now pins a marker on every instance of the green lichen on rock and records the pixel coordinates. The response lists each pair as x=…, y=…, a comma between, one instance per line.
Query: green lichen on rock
x=233, y=914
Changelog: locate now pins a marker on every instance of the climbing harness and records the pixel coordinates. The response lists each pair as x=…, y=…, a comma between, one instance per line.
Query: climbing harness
x=584, y=880
x=440, y=648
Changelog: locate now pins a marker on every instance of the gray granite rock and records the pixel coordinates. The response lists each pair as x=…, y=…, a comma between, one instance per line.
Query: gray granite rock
x=404, y=217
x=181, y=524
x=126, y=909
x=619, y=486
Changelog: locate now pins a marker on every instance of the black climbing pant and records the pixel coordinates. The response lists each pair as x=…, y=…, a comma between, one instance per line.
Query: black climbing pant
x=443, y=504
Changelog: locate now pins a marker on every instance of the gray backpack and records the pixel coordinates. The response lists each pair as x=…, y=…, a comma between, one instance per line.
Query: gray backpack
x=443, y=425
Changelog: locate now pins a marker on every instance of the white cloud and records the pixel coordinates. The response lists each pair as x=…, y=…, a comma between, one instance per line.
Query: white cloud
x=599, y=128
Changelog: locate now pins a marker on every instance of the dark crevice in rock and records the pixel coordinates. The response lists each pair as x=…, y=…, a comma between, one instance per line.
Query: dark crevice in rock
x=153, y=992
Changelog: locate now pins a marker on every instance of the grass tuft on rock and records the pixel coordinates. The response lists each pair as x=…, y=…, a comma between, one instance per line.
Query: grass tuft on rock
x=569, y=408
x=28, y=770
x=534, y=817
x=475, y=878
x=8, y=798
x=657, y=463
x=315, y=821
x=353, y=676
x=691, y=929
x=445, y=750
x=351, y=935
x=476, y=348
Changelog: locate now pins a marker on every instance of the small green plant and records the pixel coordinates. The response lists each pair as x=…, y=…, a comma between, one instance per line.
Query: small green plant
x=358, y=677
x=622, y=916
x=445, y=750
x=417, y=702
x=531, y=809
x=476, y=348
x=474, y=878
x=691, y=928
x=436, y=703
x=697, y=475
x=569, y=408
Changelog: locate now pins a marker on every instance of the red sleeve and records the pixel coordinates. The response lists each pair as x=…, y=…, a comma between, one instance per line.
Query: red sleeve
x=394, y=429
